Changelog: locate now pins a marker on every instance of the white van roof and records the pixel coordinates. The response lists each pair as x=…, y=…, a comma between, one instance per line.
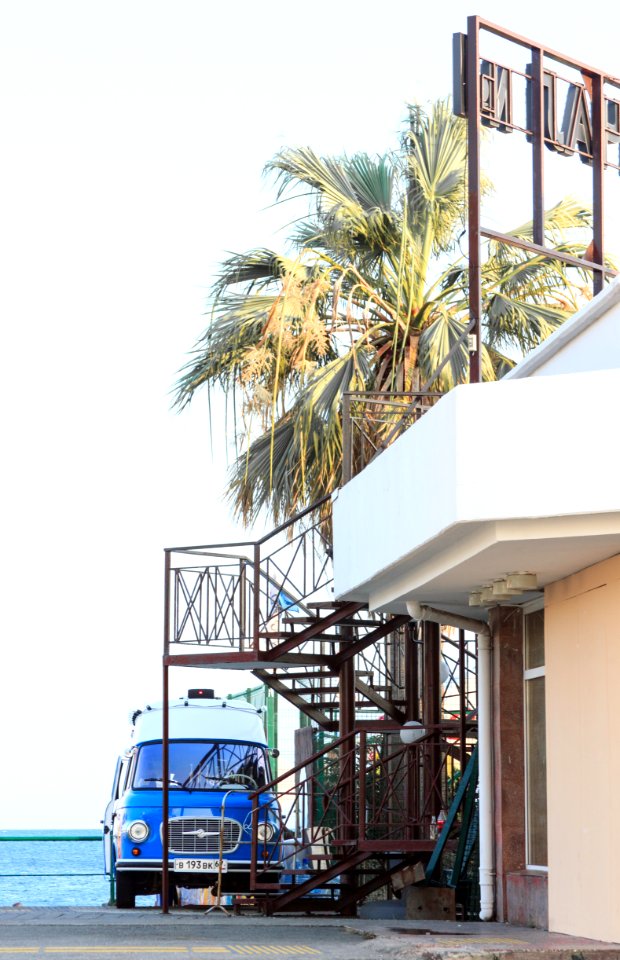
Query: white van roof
x=200, y=719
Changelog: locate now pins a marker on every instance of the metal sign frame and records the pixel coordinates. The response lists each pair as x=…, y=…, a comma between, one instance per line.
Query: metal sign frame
x=483, y=95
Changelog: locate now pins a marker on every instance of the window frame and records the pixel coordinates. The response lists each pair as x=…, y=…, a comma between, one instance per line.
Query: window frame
x=531, y=673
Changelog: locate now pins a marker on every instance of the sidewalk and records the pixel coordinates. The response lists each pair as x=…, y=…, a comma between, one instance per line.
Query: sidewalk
x=443, y=939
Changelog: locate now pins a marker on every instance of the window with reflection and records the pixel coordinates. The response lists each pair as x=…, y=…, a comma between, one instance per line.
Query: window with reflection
x=535, y=739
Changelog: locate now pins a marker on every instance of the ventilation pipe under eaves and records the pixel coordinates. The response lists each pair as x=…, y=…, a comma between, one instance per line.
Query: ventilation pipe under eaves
x=419, y=611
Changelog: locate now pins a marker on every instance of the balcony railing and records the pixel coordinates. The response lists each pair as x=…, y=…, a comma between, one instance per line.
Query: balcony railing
x=372, y=421
x=232, y=597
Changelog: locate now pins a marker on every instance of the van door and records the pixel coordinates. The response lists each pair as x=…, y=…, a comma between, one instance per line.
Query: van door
x=107, y=821
x=118, y=788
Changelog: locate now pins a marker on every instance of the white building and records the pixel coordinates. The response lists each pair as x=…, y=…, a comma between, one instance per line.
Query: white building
x=521, y=476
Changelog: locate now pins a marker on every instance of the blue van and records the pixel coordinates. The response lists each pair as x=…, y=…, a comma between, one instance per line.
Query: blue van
x=218, y=757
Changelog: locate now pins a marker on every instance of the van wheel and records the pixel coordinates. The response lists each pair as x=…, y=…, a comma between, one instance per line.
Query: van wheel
x=125, y=892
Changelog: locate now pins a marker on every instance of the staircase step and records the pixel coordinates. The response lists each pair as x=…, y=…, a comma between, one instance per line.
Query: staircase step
x=327, y=604
x=341, y=623
x=299, y=619
x=323, y=637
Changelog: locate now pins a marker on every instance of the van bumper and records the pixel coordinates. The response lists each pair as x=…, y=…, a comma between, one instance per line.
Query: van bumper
x=146, y=876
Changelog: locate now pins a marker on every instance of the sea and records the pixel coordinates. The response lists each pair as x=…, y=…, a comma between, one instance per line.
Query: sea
x=64, y=872
x=50, y=873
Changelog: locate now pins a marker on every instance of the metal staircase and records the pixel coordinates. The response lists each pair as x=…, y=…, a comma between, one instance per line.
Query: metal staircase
x=359, y=806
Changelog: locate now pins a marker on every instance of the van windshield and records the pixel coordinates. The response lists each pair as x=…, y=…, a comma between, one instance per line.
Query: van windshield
x=203, y=765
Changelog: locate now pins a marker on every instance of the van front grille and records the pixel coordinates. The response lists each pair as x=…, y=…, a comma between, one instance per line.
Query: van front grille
x=189, y=835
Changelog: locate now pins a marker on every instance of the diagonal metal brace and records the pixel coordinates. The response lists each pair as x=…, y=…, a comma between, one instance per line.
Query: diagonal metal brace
x=352, y=649
x=312, y=631
x=471, y=772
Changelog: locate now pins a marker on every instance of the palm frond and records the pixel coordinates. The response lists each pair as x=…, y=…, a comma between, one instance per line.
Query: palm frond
x=372, y=182
x=436, y=167
x=260, y=266
x=568, y=214
x=447, y=336
x=501, y=363
x=353, y=197
x=524, y=323
x=237, y=324
x=299, y=460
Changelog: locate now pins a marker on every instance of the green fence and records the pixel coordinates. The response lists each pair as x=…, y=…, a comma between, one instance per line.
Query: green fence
x=59, y=839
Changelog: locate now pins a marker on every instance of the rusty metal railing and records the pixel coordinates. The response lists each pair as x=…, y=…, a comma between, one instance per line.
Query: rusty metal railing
x=233, y=597
x=361, y=795
x=371, y=421
x=459, y=677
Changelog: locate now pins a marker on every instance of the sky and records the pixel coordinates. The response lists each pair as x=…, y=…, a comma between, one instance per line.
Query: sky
x=135, y=133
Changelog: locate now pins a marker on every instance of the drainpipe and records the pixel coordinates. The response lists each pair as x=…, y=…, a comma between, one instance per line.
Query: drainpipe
x=420, y=611
x=485, y=779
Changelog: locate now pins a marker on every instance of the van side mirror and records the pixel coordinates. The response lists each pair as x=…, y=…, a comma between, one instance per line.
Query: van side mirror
x=274, y=753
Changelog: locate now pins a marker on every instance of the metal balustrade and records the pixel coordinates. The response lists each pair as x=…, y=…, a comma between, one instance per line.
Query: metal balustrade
x=232, y=598
x=365, y=798
x=371, y=421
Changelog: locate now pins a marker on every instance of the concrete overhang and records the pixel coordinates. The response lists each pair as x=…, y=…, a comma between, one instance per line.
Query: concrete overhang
x=498, y=478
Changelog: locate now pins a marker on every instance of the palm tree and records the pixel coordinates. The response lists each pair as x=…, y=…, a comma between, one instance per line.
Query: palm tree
x=372, y=295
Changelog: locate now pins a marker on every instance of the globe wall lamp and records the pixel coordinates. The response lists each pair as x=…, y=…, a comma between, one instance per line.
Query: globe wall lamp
x=411, y=732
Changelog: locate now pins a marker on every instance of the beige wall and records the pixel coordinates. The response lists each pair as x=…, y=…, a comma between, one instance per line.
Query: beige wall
x=582, y=639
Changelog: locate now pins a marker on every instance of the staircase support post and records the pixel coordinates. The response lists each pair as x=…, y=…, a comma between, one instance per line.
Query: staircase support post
x=346, y=727
x=256, y=601
x=431, y=698
x=165, y=839
x=412, y=707
x=462, y=700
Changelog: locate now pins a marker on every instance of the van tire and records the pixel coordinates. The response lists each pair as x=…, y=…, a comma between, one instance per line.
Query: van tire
x=125, y=892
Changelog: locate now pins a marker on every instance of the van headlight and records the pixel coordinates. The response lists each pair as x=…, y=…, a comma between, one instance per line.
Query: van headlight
x=265, y=831
x=138, y=831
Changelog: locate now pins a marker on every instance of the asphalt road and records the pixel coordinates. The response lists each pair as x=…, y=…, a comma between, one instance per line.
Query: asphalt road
x=79, y=933
x=196, y=936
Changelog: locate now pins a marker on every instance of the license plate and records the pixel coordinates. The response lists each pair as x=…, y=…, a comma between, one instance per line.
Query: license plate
x=201, y=866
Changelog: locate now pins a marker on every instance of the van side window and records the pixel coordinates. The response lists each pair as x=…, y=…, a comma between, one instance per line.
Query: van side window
x=122, y=778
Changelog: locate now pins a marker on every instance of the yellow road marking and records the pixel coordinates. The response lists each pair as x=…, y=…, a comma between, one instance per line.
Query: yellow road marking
x=254, y=951
x=116, y=949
